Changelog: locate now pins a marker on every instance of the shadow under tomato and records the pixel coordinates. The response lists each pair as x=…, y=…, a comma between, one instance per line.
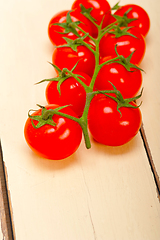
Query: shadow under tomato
x=51, y=165
x=118, y=150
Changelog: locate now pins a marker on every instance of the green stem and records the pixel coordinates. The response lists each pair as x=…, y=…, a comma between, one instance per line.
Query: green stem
x=54, y=111
x=90, y=19
x=109, y=61
x=89, y=98
x=87, y=89
x=93, y=39
x=74, y=26
x=84, y=119
x=101, y=33
x=96, y=70
x=107, y=28
x=81, y=121
x=84, y=126
x=87, y=45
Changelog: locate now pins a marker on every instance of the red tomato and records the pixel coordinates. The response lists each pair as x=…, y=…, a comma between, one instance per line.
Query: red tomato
x=65, y=57
x=106, y=124
x=101, y=10
x=128, y=83
x=55, y=31
x=54, y=142
x=125, y=45
x=72, y=93
x=142, y=22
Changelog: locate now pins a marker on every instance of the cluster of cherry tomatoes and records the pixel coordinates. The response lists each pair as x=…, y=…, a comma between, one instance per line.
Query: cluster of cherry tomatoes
x=96, y=58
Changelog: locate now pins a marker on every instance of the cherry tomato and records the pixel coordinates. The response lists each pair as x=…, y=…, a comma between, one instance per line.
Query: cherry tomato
x=54, y=142
x=72, y=93
x=101, y=10
x=127, y=82
x=126, y=44
x=65, y=57
x=55, y=31
x=106, y=124
x=142, y=22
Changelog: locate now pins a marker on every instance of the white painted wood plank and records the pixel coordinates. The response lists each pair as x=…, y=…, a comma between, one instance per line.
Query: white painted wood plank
x=151, y=100
x=1, y=234
x=79, y=197
x=99, y=193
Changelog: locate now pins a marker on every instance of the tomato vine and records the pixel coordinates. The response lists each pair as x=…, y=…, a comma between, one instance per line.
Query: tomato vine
x=93, y=46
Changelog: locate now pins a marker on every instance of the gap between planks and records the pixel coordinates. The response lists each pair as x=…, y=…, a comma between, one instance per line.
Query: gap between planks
x=5, y=207
x=5, y=210
x=150, y=159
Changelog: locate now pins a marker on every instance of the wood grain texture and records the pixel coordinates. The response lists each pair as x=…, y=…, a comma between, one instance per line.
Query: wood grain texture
x=101, y=193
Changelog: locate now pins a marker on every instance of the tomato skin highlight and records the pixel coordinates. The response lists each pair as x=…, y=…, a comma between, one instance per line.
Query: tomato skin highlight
x=106, y=124
x=141, y=24
x=55, y=31
x=54, y=142
x=65, y=57
x=128, y=83
x=125, y=45
x=72, y=93
x=101, y=10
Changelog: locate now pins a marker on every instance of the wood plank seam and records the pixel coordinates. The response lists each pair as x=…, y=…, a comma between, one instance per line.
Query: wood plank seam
x=151, y=160
x=5, y=215
x=5, y=211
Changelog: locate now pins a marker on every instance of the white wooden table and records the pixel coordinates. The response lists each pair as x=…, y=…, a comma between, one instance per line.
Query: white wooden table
x=101, y=193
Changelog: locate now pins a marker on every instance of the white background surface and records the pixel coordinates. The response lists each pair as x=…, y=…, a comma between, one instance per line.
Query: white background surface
x=101, y=193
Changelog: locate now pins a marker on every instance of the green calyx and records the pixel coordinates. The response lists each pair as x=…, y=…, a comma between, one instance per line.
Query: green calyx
x=126, y=61
x=46, y=117
x=123, y=21
x=116, y=6
x=42, y=119
x=118, y=32
x=121, y=102
x=87, y=13
x=69, y=25
x=73, y=44
x=63, y=75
